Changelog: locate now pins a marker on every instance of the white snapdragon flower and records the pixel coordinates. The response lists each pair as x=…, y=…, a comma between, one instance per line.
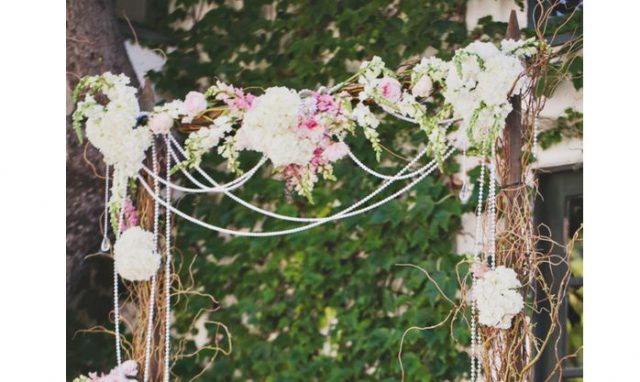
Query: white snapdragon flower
x=520, y=48
x=200, y=142
x=373, y=68
x=434, y=67
x=174, y=108
x=364, y=117
x=409, y=106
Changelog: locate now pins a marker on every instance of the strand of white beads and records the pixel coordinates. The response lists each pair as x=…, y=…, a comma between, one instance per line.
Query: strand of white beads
x=536, y=130
x=492, y=208
x=152, y=286
x=116, y=304
x=475, y=337
x=167, y=268
x=105, y=246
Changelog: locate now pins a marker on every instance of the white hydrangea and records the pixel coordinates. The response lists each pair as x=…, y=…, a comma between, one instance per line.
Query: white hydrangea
x=497, y=299
x=134, y=255
x=271, y=127
x=480, y=78
x=112, y=128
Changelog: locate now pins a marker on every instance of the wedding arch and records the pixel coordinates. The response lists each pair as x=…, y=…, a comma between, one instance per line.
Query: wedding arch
x=482, y=103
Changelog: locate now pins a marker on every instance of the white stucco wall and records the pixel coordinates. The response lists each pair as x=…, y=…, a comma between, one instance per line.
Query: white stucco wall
x=498, y=9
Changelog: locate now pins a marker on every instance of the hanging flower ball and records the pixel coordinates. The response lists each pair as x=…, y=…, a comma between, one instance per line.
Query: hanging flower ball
x=135, y=259
x=497, y=297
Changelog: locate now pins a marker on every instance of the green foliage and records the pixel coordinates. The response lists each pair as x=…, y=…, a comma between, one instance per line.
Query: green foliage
x=566, y=126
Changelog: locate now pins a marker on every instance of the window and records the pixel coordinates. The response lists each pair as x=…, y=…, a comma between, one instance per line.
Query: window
x=560, y=209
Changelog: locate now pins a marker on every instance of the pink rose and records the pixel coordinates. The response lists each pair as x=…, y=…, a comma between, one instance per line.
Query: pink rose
x=160, y=123
x=423, y=87
x=335, y=151
x=194, y=104
x=390, y=89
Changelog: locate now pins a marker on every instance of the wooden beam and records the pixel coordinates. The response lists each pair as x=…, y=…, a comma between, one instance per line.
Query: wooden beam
x=513, y=128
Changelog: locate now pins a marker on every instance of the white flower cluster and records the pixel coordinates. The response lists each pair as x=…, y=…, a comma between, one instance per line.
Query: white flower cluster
x=364, y=117
x=134, y=255
x=200, y=142
x=479, y=80
x=270, y=127
x=112, y=128
x=425, y=73
x=520, y=48
x=497, y=298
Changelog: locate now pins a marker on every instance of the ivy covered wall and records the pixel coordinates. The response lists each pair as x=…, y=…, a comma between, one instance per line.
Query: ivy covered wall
x=329, y=304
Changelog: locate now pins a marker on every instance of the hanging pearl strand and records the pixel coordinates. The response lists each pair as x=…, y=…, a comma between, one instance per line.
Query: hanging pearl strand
x=152, y=287
x=465, y=190
x=492, y=208
x=475, y=337
x=167, y=269
x=106, y=244
x=116, y=305
x=536, y=130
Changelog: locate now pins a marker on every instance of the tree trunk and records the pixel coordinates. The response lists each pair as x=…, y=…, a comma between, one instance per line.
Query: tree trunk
x=94, y=45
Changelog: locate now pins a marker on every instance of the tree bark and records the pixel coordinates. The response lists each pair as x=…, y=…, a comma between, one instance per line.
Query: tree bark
x=94, y=45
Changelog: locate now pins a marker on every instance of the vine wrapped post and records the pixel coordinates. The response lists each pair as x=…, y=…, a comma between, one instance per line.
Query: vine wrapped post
x=140, y=292
x=506, y=353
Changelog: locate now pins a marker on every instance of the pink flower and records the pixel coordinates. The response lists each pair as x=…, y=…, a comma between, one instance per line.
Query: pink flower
x=241, y=101
x=423, y=87
x=325, y=102
x=118, y=373
x=390, y=89
x=160, y=123
x=311, y=129
x=129, y=368
x=130, y=215
x=194, y=103
x=335, y=151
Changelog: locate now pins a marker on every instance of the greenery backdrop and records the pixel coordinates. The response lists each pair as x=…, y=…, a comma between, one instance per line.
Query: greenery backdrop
x=275, y=293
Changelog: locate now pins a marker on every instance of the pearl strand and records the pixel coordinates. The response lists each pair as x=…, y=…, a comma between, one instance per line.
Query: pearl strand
x=152, y=287
x=116, y=305
x=167, y=273
x=475, y=339
x=105, y=246
x=536, y=130
x=492, y=208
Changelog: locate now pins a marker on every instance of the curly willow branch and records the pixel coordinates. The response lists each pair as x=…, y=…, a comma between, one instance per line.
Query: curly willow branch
x=510, y=355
